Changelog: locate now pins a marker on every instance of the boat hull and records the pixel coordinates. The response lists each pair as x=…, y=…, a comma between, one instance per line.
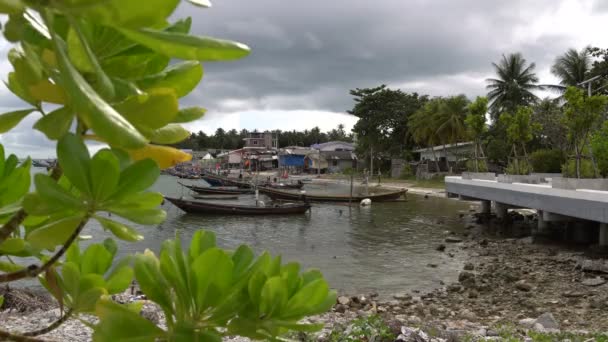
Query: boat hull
x=217, y=190
x=284, y=195
x=226, y=181
x=208, y=208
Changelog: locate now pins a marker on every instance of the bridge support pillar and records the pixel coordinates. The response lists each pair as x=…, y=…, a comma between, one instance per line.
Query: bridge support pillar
x=603, y=234
x=501, y=210
x=543, y=224
x=486, y=207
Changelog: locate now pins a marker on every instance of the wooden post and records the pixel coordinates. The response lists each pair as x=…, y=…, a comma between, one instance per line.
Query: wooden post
x=350, y=200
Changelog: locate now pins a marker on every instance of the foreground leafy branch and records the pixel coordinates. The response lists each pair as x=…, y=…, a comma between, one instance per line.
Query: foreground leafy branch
x=100, y=70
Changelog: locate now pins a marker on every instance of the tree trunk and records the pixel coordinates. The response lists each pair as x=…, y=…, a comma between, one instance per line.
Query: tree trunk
x=371, y=160
x=476, y=158
x=578, y=161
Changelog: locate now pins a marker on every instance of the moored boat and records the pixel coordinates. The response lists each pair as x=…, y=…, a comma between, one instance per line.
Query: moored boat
x=294, y=196
x=225, y=181
x=297, y=185
x=201, y=207
x=216, y=197
x=218, y=190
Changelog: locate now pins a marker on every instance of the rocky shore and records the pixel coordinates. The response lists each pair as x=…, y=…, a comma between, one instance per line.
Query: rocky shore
x=511, y=288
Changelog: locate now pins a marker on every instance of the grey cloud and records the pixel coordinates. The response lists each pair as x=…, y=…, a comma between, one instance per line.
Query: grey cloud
x=311, y=53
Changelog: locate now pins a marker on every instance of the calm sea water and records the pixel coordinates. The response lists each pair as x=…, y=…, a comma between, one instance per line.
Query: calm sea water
x=386, y=247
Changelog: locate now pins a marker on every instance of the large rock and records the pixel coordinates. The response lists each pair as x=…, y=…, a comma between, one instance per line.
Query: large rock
x=548, y=322
x=402, y=296
x=527, y=323
x=344, y=300
x=522, y=285
x=441, y=247
x=469, y=266
x=597, y=281
x=412, y=335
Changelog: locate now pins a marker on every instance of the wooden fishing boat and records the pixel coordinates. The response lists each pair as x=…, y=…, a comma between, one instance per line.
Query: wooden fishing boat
x=212, y=181
x=216, y=197
x=297, y=185
x=294, y=196
x=226, y=181
x=200, y=207
x=217, y=190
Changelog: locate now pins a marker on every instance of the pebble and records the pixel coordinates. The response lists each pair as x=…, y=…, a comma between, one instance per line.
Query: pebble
x=469, y=266
x=522, y=285
x=453, y=239
x=597, y=281
x=344, y=300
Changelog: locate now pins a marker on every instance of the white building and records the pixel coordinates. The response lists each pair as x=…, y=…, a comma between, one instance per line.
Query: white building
x=451, y=152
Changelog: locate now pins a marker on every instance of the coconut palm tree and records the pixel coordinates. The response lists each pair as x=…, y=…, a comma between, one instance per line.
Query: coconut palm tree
x=572, y=67
x=513, y=86
x=452, y=113
x=423, y=124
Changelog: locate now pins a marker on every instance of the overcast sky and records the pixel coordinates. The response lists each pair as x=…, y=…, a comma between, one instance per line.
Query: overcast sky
x=306, y=55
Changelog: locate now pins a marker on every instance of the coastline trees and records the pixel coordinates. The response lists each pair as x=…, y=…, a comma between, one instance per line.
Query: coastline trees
x=476, y=127
x=513, y=86
x=571, y=68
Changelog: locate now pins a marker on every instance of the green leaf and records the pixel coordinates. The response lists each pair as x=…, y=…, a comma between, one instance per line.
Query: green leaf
x=120, y=230
x=213, y=273
x=307, y=299
x=118, y=323
x=54, y=234
x=151, y=280
x=71, y=278
x=242, y=259
x=182, y=77
x=34, y=204
x=92, y=109
x=170, y=134
x=74, y=158
x=119, y=280
x=11, y=7
x=136, y=178
x=124, y=13
x=154, y=111
x=105, y=86
x=12, y=246
x=11, y=119
x=52, y=192
x=9, y=267
x=201, y=3
x=189, y=114
x=133, y=67
x=73, y=254
x=88, y=299
x=201, y=241
x=1, y=301
x=273, y=297
x=141, y=216
x=16, y=183
x=187, y=47
x=56, y=123
x=110, y=245
x=254, y=288
x=105, y=174
x=96, y=260
x=181, y=26
x=16, y=88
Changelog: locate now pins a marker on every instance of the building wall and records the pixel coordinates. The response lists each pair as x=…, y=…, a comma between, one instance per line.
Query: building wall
x=453, y=154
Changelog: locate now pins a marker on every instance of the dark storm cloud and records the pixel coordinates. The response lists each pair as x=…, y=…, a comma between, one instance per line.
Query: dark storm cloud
x=309, y=54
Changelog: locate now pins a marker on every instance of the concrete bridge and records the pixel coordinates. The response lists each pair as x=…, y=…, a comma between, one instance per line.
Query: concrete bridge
x=555, y=199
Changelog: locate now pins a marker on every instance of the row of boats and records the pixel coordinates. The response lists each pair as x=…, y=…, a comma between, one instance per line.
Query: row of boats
x=284, y=201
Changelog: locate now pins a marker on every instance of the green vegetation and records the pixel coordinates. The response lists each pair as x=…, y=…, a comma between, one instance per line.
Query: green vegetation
x=520, y=130
x=476, y=126
x=547, y=161
x=363, y=329
x=104, y=67
x=581, y=116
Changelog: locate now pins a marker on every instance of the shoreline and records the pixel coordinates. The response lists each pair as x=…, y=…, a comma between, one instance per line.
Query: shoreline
x=511, y=285
x=434, y=192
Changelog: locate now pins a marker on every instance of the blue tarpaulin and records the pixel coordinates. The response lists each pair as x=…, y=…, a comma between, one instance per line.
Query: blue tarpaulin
x=291, y=160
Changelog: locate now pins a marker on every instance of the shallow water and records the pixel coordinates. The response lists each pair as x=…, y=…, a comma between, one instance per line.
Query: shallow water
x=386, y=247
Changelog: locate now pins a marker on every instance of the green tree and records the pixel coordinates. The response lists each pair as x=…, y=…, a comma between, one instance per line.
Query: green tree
x=571, y=68
x=549, y=115
x=520, y=131
x=383, y=120
x=451, y=116
x=513, y=86
x=424, y=124
x=476, y=127
x=100, y=70
x=582, y=114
